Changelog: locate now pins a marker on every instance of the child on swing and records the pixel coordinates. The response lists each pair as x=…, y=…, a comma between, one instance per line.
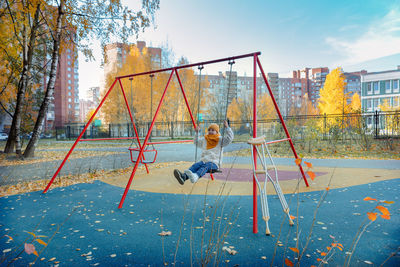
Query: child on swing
x=212, y=145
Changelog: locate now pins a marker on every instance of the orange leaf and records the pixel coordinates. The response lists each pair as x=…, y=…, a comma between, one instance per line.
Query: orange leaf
x=309, y=165
x=289, y=263
x=384, y=210
x=340, y=248
x=35, y=252
x=311, y=174
x=328, y=248
x=340, y=245
x=372, y=215
x=319, y=259
x=388, y=202
x=327, y=189
x=298, y=161
x=385, y=216
x=40, y=241
x=323, y=253
x=368, y=198
x=292, y=217
x=295, y=250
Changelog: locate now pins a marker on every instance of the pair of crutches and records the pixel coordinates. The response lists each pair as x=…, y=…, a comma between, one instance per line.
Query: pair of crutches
x=260, y=144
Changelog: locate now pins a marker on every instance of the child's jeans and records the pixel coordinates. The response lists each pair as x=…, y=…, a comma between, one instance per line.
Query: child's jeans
x=201, y=168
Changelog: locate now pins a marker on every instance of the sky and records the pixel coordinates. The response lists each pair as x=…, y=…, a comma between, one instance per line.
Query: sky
x=291, y=35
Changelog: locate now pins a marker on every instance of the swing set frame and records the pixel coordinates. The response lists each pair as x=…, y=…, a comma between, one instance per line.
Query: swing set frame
x=146, y=142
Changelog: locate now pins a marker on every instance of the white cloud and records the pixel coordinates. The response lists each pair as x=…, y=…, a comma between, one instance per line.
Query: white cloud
x=381, y=38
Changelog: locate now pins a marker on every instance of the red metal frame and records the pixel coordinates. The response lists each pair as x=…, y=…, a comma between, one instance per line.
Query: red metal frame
x=142, y=146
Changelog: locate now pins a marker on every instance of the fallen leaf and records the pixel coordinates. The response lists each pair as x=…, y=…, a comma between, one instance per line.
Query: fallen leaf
x=388, y=202
x=368, y=198
x=164, y=233
x=386, y=217
x=372, y=215
x=29, y=248
x=384, y=210
x=292, y=217
x=52, y=259
x=7, y=250
x=309, y=165
x=40, y=241
x=298, y=161
x=289, y=263
x=295, y=250
x=323, y=253
x=311, y=174
x=368, y=262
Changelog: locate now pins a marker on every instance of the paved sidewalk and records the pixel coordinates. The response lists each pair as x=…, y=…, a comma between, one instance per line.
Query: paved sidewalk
x=93, y=232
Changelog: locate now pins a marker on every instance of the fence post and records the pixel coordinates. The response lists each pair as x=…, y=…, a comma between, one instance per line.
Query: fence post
x=109, y=130
x=324, y=126
x=376, y=123
x=172, y=129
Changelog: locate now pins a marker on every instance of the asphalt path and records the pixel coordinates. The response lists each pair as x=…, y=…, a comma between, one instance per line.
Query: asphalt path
x=166, y=153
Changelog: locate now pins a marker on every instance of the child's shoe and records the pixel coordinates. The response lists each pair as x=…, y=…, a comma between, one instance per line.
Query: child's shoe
x=179, y=176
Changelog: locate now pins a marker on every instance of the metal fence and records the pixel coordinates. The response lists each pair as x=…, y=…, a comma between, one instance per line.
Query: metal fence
x=349, y=125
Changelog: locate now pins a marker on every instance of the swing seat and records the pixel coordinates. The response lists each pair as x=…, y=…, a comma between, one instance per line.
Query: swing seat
x=213, y=171
x=151, y=153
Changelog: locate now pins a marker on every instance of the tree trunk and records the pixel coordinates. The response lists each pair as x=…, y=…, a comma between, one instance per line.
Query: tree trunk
x=30, y=149
x=14, y=138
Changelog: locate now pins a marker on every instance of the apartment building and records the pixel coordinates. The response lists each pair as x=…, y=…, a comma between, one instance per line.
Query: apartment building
x=66, y=90
x=376, y=87
x=353, y=83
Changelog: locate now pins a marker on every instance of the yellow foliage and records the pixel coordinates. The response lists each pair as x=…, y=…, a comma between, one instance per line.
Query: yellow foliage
x=355, y=105
x=333, y=99
x=391, y=122
x=144, y=93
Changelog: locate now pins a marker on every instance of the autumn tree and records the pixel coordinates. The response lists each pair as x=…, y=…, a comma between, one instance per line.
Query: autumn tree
x=17, y=46
x=355, y=104
x=333, y=99
x=72, y=21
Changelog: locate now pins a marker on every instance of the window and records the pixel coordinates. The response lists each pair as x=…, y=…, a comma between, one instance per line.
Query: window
x=69, y=63
x=68, y=56
x=69, y=69
x=69, y=87
x=369, y=88
x=387, y=87
x=69, y=99
x=69, y=105
x=69, y=93
x=395, y=86
x=69, y=81
x=376, y=103
x=69, y=75
x=369, y=104
x=376, y=88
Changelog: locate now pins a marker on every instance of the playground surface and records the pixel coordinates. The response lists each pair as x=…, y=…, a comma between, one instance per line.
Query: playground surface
x=162, y=222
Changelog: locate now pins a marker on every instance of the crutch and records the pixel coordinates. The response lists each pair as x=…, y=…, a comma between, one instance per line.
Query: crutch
x=257, y=143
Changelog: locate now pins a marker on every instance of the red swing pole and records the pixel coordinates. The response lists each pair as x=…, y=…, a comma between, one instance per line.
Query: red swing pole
x=255, y=219
x=133, y=123
x=145, y=142
x=79, y=138
x=184, y=96
x=281, y=119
